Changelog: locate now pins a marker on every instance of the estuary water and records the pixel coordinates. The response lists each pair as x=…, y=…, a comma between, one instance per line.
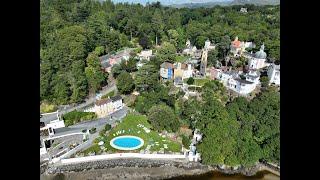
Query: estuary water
x=261, y=175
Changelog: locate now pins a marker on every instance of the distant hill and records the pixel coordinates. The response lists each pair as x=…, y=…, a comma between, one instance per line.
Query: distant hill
x=227, y=3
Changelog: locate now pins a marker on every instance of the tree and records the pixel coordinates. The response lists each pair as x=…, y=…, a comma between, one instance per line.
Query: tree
x=223, y=47
x=157, y=24
x=146, y=78
x=107, y=127
x=190, y=80
x=129, y=66
x=173, y=36
x=214, y=89
x=78, y=82
x=212, y=58
x=190, y=110
x=264, y=81
x=162, y=117
x=144, y=42
x=116, y=70
x=95, y=76
x=167, y=52
x=99, y=51
x=125, y=83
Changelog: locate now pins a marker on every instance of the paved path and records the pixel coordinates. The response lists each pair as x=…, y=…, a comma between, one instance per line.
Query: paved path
x=121, y=155
x=97, y=123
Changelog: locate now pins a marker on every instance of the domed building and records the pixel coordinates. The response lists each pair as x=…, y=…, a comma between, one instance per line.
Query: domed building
x=257, y=60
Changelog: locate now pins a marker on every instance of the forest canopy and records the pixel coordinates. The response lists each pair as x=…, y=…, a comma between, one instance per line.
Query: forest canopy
x=71, y=30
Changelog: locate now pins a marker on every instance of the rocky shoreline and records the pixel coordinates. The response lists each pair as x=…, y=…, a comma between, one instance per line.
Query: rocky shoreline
x=139, y=169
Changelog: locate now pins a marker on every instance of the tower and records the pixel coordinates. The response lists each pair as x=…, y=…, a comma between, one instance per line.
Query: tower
x=203, y=63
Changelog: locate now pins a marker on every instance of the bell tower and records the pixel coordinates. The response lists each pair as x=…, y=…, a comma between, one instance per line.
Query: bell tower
x=203, y=63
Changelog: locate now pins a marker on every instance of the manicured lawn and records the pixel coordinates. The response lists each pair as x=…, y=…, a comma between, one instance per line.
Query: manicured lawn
x=181, y=59
x=110, y=94
x=200, y=82
x=130, y=122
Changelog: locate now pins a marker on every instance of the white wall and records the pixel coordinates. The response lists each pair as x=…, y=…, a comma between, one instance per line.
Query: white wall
x=43, y=151
x=122, y=155
x=273, y=78
x=164, y=73
x=256, y=63
x=118, y=104
x=56, y=124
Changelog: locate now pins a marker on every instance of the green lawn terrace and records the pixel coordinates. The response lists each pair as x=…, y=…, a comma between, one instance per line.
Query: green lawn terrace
x=135, y=125
x=198, y=81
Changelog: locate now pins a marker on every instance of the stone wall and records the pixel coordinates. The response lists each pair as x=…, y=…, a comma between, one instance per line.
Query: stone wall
x=130, y=162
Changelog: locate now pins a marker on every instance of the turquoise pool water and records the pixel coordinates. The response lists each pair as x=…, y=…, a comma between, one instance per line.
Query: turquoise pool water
x=126, y=142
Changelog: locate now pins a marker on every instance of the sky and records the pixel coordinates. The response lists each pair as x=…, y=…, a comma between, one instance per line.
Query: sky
x=168, y=2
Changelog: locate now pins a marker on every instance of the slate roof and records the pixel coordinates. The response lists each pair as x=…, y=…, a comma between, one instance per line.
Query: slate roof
x=102, y=102
x=116, y=98
x=243, y=81
x=167, y=65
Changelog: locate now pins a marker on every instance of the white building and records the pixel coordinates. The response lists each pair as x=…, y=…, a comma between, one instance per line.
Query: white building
x=232, y=81
x=189, y=50
x=243, y=10
x=253, y=76
x=274, y=74
x=55, y=124
x=257, y=60
x=145, y=54
x=208, y=45
x=224, y=77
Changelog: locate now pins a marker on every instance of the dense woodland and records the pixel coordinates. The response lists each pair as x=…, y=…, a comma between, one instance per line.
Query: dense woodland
x=74, y=33
x=71, y=30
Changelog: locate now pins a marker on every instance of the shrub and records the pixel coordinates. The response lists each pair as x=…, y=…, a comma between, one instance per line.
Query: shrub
x=185, y=141
x=107, y=127
x=47, y=108
x=101, y=133
x=77, y=116
x=190, y=80
x=264, y=81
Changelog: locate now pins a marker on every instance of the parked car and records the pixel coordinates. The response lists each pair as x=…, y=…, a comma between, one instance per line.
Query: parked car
x=42, y=124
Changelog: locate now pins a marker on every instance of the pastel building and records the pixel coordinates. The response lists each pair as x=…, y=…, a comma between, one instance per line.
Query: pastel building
x=274, y=74
x=105, y=107
x=238, y=47
x=166, y=71
x=182, y=71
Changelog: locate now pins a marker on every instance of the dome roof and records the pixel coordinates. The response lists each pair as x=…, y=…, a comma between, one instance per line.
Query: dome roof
x=261, y=54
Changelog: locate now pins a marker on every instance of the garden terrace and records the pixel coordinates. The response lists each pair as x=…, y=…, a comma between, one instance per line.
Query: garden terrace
x=136, y=125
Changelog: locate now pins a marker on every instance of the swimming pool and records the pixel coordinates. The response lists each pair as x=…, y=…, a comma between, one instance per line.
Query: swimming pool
x=127, y=142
